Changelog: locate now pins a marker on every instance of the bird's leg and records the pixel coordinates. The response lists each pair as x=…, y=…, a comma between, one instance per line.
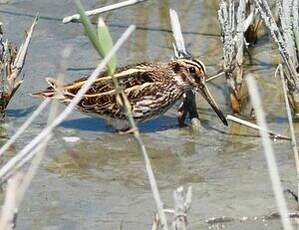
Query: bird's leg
x=191, y=105
x=187, y=106
x=182, y=111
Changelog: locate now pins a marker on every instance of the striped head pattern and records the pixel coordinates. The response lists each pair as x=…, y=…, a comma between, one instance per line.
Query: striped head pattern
x=189, y=72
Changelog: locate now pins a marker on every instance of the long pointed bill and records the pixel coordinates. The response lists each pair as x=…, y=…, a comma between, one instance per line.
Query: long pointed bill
x=204, y=91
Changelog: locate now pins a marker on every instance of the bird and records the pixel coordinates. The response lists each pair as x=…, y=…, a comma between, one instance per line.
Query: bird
x=152, y=88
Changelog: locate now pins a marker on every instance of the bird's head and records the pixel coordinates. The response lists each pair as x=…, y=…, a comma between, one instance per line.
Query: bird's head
x=190, y=74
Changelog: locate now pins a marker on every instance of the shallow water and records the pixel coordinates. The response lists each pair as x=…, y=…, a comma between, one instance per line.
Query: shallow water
x=100, y=182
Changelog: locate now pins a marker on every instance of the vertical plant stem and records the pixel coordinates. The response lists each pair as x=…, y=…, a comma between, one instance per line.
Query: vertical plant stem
x=149, y=170
x=104, y=44
x=269, y=153
x=152, y=181
x=7, y=220
x=292, y=131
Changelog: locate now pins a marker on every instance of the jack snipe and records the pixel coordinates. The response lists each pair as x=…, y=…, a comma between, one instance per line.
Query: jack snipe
x=152, y=88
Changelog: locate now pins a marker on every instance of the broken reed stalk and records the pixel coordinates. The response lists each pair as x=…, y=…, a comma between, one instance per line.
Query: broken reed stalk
x=76, y=17
x=232, y=36
x=290, y=120
x=11, y=65
x=256, y=127
x=21, y=55
x=269, y=153
x=189, y=103
x=12, y=163
x=179, y=45
x=156, y=222
x=182, y=204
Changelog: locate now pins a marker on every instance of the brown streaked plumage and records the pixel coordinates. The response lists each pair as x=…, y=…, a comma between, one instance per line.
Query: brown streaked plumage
x=152, y=88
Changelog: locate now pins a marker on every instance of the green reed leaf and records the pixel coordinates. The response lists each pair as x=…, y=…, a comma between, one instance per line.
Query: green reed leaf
x=89, y=29
x=106, y=43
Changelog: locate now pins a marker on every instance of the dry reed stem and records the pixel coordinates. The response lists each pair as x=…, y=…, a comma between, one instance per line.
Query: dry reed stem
x=179, y=45
x=76, y=17
x=269, y=153
x=154, y=187
x=256, y=127
x=232, y=24
x=9, y=209
x=182, y=203
x=11, y=65
x=290, y=120
x=21, y=56
x=156, y=222
x=152, y=180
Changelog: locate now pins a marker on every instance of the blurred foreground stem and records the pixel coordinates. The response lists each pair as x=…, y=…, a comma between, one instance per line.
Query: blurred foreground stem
x=102, y=42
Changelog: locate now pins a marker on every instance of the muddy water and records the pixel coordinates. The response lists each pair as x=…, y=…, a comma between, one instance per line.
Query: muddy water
x=99, y=182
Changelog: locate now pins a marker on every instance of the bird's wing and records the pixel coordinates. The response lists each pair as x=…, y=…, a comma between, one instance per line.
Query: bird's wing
x=147, y=100
x=149, y=89
x=127, y=76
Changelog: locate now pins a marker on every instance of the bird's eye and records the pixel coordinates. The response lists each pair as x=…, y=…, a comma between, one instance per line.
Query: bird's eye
x=192, y=70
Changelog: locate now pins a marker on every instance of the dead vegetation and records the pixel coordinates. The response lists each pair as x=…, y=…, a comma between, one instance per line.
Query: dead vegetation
x=285, y=33
x=12, y=62
x=232, y=19
x=239, y=25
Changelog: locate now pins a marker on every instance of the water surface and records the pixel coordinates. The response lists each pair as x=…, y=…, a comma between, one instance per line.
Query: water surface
x=100, y=182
